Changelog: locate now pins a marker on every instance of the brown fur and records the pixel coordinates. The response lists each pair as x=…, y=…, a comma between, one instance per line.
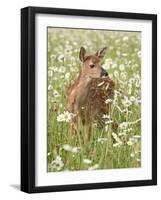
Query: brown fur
x=87, y=95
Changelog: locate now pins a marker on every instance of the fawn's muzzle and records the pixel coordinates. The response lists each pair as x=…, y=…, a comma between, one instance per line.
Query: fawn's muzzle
x=104, y=73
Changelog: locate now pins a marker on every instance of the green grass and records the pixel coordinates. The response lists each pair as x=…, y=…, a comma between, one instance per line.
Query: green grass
x=106, y=150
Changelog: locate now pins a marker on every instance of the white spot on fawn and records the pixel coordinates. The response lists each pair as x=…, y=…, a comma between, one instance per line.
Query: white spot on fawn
x=107, y=86
x=100, y=84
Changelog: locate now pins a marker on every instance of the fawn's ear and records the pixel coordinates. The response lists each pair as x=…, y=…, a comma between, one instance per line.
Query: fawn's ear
x=101, y=52
x=82, y=54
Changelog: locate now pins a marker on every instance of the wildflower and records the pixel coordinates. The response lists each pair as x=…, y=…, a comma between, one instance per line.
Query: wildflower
x=68, y=50
x=55, y=78
x=106, y=66
x=106, y=116
x=57, y=163
x=49, y=153
x=126, y=102
x=108, y=63
x=93, y=167
x=137, y=83
x=117, y=139
x=72, y=69
x=61, y=69
x=111, y=47
x=50, y=73
x=132, y=155
x=71, y=149
x=118, y=53
x=65, y=117
x=138, y=160
x=138, y=101
x=87, y=161
x=117, y=92
x=136, y=136
x=74, y=150
x=124, y=54
x=130, y=143
x=125, y=38
x=123, y=125
x=137, y=76
x=53, y=56
x=135, y=122
x=102, y=140
x=116, y=74
x=139, y=54
x=67, y=147
x=50, y=87
x=121, y=67
x=75, y=43
x=117, y=41
x=61, y=58
x=129, y=129
x=117, y=144
x=67, y=76
x=55, y=69
x=108, y=60
x=106, y=127
x=60, y=118
x=109, y=122
x=123, y=76
x=114, y=65
x=56, y=93
x=62, y=77
x=132, y=99
x=122, y=133
x=114, y=135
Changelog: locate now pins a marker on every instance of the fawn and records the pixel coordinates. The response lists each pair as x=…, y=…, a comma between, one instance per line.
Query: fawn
x=88, y=93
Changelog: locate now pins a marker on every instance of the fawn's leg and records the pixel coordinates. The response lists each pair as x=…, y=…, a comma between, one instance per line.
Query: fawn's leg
x=74, y=126
x=87, y=131
x=114, y=123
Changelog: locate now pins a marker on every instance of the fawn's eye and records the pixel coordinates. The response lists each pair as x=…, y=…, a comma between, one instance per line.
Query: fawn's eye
x=92, y=65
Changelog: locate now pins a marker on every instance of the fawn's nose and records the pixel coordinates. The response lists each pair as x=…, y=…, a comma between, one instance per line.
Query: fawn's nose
x=104, y=73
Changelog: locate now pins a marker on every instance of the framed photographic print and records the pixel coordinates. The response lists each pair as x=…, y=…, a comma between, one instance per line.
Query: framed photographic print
x=88, y=99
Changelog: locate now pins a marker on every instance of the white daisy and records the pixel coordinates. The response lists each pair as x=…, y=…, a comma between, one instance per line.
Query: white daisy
x=87, y=161
x=121, y=67
x=50, y=73
x=67, y=147
x=67, y=76
x=93, y=167
x=57, y=163
x=65, y=117
x=102, y=140
x=56, y=93
x=125, y=38
x=74, y=150
x=106, y=116
x=132, y=155
x=50, y=87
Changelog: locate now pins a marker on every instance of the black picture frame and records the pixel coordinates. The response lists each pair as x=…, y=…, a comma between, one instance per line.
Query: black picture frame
x=28, y=98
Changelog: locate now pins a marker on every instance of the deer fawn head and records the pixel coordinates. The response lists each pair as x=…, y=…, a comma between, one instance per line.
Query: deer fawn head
x=91, y=65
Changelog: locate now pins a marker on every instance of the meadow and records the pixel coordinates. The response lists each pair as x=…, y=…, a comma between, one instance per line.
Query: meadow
x=107, y=149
